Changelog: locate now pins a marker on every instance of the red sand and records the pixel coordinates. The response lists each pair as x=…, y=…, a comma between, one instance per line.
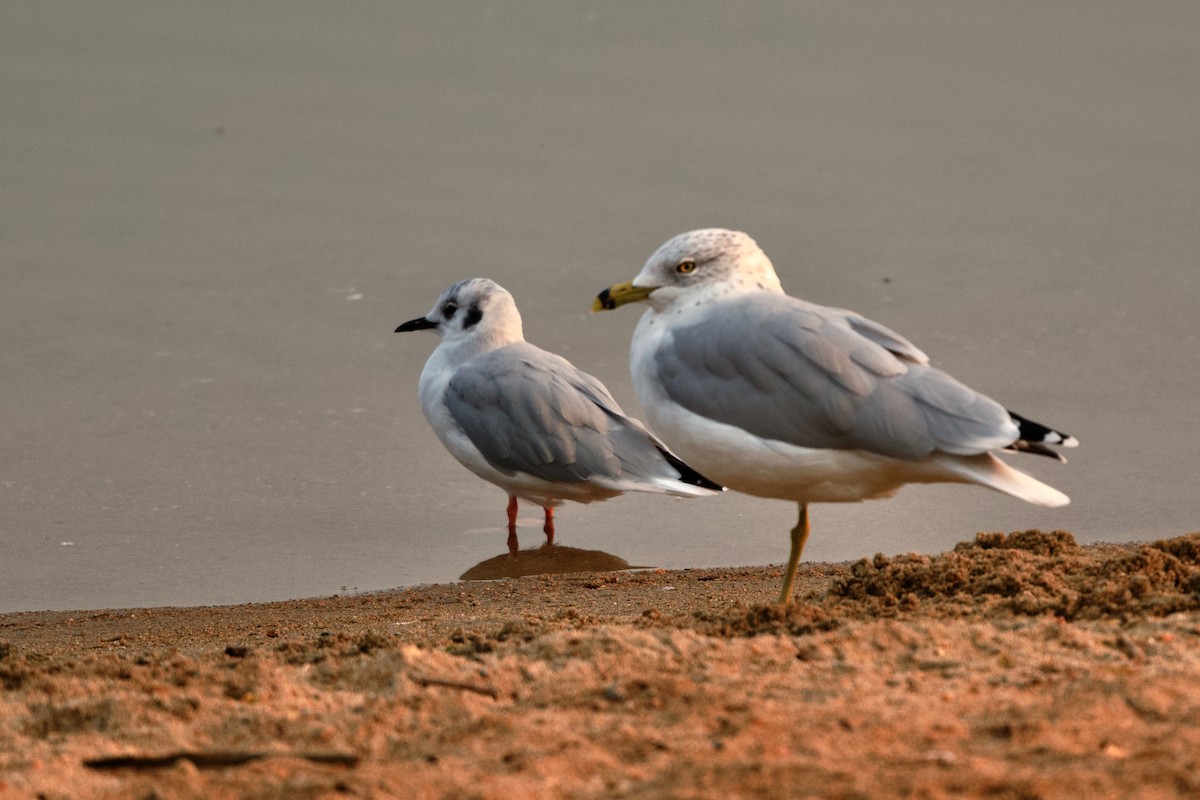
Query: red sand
x=1014, y=667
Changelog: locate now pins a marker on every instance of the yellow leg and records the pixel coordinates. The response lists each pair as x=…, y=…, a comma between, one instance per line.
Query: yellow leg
x=799, y=537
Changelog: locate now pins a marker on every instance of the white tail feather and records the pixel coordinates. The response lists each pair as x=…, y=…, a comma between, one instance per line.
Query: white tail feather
x=655, y=485
x=987, y=470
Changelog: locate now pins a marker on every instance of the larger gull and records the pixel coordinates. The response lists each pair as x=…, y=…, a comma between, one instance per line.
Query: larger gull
x=528, y=420
x=778, y=397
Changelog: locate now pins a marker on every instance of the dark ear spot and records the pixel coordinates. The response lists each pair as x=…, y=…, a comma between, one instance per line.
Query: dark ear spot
x=474, y=314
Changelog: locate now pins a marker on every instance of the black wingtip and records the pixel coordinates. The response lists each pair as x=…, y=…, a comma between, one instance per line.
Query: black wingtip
x=687, y=474
x=1034, y=437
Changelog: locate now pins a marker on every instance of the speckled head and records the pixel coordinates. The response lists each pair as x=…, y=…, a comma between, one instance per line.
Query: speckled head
x=710, y=260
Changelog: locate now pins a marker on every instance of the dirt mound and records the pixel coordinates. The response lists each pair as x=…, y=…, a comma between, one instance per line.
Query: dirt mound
x=1031, y=572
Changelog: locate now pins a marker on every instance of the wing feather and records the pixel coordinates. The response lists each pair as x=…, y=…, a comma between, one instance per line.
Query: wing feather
x=818, y=377
x=527, y=410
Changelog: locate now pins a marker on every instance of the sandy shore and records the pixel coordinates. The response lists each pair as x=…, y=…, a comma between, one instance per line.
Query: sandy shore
x=1018, y=666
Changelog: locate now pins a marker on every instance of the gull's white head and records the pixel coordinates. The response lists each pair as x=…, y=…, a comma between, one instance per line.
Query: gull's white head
x=703, y=263
x=478, y=312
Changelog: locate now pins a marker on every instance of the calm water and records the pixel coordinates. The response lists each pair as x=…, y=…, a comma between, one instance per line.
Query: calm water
x=213, y=219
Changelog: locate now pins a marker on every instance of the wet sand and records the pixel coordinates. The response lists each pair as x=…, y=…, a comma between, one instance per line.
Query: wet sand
x=1016, y=666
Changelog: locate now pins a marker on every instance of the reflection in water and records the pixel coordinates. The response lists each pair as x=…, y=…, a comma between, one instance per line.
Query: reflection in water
x=547, y=559
x=514, y=546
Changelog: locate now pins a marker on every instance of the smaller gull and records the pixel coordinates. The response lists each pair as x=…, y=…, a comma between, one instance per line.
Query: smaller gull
x=528, y=420
x=778, y=397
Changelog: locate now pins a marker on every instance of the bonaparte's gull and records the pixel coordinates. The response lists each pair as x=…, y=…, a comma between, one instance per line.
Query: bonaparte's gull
x=528, y=420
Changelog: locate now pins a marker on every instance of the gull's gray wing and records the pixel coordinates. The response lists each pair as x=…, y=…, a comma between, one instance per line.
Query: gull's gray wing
x=531, y=411
x=785, y=369
x=881, y=335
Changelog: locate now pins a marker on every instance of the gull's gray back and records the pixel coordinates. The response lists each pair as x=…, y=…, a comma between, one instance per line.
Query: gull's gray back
x=530, y=411
x=785, y=369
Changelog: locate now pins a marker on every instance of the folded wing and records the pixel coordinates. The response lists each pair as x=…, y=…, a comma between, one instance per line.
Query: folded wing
x=819, y=377
x=530, y=411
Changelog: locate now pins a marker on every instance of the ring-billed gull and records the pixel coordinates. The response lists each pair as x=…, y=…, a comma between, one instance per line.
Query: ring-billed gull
x=778, y=397
x=528, y=420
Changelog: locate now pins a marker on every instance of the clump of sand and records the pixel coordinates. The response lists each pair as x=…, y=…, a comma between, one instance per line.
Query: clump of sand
x=1031, y=572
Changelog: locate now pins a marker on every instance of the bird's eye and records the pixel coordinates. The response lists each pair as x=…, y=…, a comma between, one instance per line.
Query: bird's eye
x=449, y=309
x=684, y=267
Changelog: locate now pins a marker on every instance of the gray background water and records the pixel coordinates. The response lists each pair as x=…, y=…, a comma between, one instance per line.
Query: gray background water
x=214, y=215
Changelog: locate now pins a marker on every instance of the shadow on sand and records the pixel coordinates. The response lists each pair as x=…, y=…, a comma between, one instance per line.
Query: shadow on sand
x=549, y=559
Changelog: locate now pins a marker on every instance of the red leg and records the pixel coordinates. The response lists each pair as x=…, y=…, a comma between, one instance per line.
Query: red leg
x=512, y=514
x=548, y=528
x=512, y=525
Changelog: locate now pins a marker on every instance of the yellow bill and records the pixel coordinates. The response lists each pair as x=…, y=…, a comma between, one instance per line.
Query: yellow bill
x=619, y=295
